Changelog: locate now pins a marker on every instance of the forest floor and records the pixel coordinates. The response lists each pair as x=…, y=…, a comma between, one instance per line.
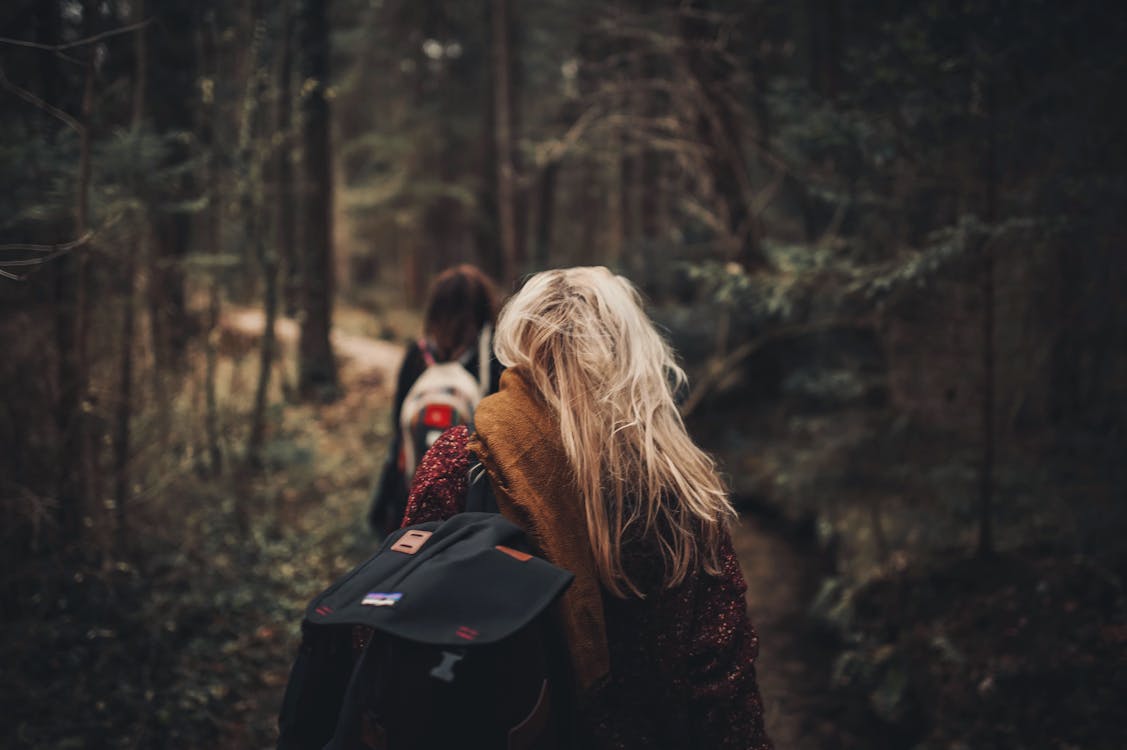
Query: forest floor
x=186, y=639
x=794, y=666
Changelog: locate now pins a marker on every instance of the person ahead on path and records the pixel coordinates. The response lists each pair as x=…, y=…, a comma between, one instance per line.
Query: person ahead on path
x=586, y=452
x=460, y=312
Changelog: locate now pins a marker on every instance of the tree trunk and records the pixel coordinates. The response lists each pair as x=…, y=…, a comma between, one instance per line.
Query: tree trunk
x=64, y=281
x=207, y=43
x=172, y=86
x=986, y=472
x=251, y=202
x=986, y=477
x=719, y=131
x=269, y=265
x=88, y=447
x=318, y=373
x=125, y=386
x=504, y=137
x=211, y=400
x=625, y=221
x=490, y=255
x=268, y=262
x=651, y=188
x=545, y=213
x=287, y=226
x=69, y=491
x=823, y=23
x=47, y=24
x=71, y=332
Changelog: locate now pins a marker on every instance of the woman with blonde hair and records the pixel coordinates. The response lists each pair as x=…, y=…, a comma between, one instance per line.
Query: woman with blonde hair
x=585, y=450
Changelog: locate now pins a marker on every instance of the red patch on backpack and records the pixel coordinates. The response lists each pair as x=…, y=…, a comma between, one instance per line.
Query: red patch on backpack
x=438, y=415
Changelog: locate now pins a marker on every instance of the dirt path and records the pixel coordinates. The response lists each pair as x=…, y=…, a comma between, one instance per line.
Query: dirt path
x=794, y=664
x=362, y=358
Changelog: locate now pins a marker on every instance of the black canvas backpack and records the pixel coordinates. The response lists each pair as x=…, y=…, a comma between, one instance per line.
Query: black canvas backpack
x=459, y=652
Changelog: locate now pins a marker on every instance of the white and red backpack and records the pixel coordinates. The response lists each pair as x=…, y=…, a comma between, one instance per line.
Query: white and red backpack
x=444, y=396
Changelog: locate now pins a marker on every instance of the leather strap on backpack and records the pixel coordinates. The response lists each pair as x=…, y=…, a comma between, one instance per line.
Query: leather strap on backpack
x=479, y=489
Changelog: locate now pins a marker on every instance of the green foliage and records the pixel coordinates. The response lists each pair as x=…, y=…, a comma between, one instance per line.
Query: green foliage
x=186, y=637
x=728, y=286
x=38, y=172
x=138, y=174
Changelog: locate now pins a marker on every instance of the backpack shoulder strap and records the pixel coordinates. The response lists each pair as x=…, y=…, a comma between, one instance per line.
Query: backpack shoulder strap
x=480, y=497
x=428, y=356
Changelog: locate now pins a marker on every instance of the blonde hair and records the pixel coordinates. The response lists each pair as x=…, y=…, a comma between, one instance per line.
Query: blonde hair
x=582, y=337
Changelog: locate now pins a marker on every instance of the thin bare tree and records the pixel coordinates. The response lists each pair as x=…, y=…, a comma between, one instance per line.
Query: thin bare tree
x=124, y=406
x=317, y=367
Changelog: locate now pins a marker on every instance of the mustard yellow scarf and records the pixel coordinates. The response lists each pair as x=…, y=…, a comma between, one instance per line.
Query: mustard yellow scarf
x=517, y=438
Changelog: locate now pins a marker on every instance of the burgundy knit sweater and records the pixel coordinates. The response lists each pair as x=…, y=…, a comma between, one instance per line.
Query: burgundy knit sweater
x=682, y=659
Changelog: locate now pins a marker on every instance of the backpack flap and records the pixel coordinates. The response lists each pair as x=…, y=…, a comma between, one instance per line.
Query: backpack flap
x=469, y=580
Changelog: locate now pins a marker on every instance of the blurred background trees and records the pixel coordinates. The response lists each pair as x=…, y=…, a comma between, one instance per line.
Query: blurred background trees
x=932, y=182
x=885, y=237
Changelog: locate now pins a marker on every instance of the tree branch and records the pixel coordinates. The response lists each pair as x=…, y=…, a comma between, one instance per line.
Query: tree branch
x=47, y=107
x=718, y=367
x=78, y=42
x=555, y=150
x=51, y=252
x=30, y=248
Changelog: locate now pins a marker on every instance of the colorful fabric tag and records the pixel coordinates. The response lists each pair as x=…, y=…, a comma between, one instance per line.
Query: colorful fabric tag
x=380, y=599
x=438, y=415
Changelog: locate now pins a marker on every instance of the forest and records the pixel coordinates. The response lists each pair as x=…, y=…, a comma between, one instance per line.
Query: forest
x=885, y=238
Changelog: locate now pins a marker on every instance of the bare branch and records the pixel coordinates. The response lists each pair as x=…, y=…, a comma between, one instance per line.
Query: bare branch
x=834, y=226
x=24, y=262
x=767, y=195
x=718, y=367
x=555, y=150
x=51, y=252
x=30, y=248
x=47, y=107
x=78, y=42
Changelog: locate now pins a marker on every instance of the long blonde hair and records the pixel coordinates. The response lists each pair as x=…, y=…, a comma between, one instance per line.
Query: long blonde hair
x=582, y=337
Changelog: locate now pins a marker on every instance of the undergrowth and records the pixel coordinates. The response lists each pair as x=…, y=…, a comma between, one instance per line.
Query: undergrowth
x=183, y=636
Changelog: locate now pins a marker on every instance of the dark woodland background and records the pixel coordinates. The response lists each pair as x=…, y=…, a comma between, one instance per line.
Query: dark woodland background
x=886, y=238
